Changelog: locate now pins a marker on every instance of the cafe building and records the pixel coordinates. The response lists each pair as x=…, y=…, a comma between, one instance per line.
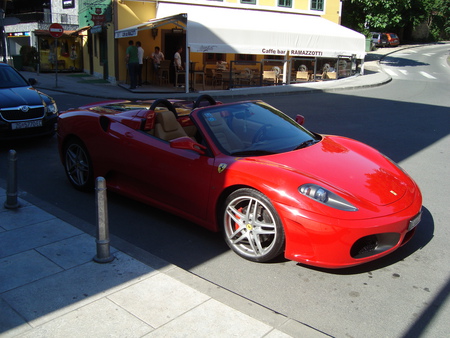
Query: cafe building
x=232, y=44
x=31, y=46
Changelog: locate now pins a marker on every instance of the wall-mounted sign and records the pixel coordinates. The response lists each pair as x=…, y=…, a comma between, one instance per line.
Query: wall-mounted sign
x=68, y=3
x=98, y=18
x=90, y=11
x=96, y=29
x=18, y=34
x=126, y=34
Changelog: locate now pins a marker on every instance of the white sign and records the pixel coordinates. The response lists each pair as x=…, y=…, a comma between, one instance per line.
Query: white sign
x=126, y=34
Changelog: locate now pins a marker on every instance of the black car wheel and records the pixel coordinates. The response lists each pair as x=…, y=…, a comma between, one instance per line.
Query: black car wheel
x=78, y=165
x=252, y=227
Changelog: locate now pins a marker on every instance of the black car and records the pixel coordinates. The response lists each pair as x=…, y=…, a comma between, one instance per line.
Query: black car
x=24, y=111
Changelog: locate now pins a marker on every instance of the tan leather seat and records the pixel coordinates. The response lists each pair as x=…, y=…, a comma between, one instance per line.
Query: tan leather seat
x=167, y=126
x=225, y=136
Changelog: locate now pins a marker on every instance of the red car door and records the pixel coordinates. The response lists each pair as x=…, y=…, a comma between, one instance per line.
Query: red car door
x=148, y=169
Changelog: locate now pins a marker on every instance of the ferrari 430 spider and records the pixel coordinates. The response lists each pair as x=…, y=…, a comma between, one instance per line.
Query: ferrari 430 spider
x=250, y=171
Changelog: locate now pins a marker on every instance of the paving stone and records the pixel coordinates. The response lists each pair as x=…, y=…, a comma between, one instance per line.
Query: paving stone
x=24, y=268
x=101, y=318
x=159, y=299
x=56, y=295
x=35, y=235
x=11, y=324
x=24, y=216
x=73, y=251
x=212, y=319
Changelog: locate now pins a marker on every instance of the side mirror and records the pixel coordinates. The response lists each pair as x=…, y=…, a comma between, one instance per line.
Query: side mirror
x=300, y=119
x=32, y=81
x=188, y=144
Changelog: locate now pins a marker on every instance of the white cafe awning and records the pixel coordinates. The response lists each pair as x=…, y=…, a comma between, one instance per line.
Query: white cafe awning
x=226, y=30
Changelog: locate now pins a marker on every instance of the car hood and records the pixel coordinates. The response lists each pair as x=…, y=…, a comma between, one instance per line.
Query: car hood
x=346, y=166
x=13, y=97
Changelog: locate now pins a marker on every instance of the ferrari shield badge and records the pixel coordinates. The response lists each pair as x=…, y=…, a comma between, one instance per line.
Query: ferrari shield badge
x=222, y=167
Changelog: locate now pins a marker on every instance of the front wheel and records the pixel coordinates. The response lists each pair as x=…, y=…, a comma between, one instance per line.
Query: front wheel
x=78, y=166
x=252, y=227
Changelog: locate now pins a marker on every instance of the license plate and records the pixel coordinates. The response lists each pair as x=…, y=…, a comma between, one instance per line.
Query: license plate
x=26, y=124
x=413, y=223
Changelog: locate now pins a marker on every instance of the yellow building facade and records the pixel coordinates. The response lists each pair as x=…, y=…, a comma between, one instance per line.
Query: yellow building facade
x=105, y=48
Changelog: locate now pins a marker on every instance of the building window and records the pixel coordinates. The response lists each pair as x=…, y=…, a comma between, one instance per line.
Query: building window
x=245, y=57
x=251, y=2
x=68, y=4
x=213, y=57
x=317, y=5
x=285, y=3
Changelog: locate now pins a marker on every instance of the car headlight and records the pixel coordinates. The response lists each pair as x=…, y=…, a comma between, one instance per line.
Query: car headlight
x=51, y=108
x=324, y=196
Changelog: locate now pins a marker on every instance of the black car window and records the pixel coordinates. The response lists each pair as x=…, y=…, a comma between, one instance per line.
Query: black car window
x=9, y=78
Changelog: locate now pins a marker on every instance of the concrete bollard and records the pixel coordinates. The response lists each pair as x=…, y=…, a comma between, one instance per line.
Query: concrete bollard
x=103, y=248
x=11, y=184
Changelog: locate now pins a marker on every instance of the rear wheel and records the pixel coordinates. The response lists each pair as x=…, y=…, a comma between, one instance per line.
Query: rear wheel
x=252, y=227
x=78, y=166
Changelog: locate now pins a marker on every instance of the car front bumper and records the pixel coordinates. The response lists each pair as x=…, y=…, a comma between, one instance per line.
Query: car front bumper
x=47, y=128
x=327, y=242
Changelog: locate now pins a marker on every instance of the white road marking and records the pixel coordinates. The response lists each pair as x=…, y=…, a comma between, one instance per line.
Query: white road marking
x=403, y=71
x=390, y=72
x=427, y=75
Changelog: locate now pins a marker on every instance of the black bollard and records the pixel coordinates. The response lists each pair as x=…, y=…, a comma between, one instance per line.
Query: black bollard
x=11, y=184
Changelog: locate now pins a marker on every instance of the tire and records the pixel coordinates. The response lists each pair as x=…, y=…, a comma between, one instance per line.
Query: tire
x=257, y=239
x=78, y=165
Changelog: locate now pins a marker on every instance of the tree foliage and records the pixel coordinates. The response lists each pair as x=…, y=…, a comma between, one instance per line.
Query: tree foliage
x=401, y=16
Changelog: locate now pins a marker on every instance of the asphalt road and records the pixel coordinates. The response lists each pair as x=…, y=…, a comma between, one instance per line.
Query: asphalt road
x=403, y=294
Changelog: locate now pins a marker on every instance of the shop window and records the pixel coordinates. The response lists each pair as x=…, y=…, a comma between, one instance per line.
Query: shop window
x=245, y=57
x=252, y=2
x=214, y=57
x=273, y=59
x=317, y=5
x=285, y=3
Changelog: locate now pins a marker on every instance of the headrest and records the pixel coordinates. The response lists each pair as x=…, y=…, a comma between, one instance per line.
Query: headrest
x=167, y=120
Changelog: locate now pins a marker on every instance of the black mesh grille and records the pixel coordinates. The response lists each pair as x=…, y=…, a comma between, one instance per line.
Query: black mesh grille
x=19, y=115
x=364, y=246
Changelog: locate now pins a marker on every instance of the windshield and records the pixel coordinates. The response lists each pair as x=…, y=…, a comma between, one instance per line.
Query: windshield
x=9, y=78
x=254, y=128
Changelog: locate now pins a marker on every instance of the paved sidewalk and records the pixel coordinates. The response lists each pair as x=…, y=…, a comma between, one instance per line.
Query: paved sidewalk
x=51, y=287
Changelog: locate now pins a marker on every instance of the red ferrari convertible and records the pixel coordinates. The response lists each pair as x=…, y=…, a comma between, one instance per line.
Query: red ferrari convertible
x=245, y=168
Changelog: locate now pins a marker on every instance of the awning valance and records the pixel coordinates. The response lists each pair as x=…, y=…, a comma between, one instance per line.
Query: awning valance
x=47, y=33
x=179, y=20
x=81, y=31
